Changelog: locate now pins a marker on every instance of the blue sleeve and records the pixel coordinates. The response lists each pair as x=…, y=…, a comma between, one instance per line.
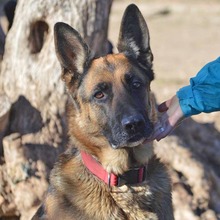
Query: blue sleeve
x=203, y=93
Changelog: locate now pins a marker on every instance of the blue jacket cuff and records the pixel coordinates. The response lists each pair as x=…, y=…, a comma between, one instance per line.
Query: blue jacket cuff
x=186, y=100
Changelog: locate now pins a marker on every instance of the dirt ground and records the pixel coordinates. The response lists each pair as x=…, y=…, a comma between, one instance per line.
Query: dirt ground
x=185, y=35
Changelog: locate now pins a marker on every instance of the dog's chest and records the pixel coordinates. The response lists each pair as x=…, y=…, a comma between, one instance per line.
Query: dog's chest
x=134, y=201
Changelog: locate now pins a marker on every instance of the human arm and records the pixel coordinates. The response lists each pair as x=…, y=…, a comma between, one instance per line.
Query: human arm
x=202, y=95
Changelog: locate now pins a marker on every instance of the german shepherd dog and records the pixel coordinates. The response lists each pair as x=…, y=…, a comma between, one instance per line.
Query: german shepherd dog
x=108, y=172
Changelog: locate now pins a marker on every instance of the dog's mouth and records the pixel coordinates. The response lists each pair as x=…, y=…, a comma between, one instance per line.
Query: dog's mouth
x=121, y=138
x=134, y=141
x=135, y=138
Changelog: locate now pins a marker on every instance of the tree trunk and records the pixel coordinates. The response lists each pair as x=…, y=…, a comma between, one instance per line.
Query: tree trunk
x=32, y=96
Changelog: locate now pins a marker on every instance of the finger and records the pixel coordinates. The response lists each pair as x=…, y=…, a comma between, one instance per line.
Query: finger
x=162, y=129
x=158, y=129
x=163, y=134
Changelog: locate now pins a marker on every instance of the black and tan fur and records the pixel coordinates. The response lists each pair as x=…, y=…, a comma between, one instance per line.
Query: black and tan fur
x=111, y=115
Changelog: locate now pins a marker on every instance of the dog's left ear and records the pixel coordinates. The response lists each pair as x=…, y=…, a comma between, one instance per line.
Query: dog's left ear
x=134, y=39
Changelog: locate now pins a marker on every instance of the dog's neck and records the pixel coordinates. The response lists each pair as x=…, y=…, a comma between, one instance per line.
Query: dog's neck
x=132, y=176
x=121, y=160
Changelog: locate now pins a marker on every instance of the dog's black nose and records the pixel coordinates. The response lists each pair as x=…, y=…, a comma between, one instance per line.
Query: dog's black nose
x=133, y=123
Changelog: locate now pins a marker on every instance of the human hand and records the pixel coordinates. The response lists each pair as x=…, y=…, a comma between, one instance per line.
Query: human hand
x=171, y=116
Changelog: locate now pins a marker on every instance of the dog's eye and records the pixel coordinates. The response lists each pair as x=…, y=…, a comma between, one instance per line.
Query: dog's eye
x=136, y=85
x=99, y=95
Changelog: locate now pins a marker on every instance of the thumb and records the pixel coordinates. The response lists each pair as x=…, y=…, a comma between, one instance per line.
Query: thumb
x=164, y=106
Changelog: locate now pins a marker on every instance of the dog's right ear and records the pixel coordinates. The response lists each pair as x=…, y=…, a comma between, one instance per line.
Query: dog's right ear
x=72, y=52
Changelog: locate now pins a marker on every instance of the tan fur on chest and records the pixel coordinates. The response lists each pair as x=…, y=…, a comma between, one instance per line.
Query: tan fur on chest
x=98, y=201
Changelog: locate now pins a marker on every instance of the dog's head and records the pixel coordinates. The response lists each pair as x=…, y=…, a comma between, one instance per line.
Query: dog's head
x=111, y=94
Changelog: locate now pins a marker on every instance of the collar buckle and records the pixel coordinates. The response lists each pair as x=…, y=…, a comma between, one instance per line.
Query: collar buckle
x=133, y=176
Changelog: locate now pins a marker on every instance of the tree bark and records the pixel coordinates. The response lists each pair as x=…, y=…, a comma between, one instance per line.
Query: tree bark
x=32, y=96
